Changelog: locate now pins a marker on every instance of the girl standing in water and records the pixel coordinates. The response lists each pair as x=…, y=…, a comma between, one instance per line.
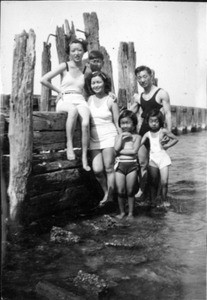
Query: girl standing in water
x=126, y=146
x=159, y=160
x=104, y=127
x=71, y=97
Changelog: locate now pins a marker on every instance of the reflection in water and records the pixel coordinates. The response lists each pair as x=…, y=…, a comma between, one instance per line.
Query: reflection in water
x=158, y=257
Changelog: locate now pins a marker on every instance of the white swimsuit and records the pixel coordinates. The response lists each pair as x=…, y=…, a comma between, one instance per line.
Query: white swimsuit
x=73, y=92
x=158, y=155
x=103, y=130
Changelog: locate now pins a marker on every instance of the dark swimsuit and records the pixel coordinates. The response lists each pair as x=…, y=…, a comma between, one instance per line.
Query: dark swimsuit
x=147, y=106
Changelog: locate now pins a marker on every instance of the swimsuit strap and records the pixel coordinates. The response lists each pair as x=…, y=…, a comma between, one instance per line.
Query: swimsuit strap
x=67, y=68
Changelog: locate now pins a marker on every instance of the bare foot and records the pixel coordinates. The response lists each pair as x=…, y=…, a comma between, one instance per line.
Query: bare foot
x=107, y=198
x=120, y=216
x=70, y=154
x=130, y=217
x=139, y=194
x=166, y=204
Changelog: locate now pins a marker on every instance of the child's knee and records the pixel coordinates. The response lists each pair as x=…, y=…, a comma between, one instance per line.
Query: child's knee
x=109, y=169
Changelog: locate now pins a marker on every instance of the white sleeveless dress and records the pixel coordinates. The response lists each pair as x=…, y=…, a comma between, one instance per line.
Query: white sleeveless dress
x=103, y=130
x=157, y=154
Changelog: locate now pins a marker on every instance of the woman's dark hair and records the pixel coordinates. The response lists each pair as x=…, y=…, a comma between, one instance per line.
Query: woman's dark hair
x=77, y=41
x=104, y=77
x=156, y=113
x=143, y=68
x=128, y=114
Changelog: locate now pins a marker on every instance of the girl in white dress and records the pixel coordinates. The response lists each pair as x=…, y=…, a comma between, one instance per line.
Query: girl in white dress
x=104, y=127
x=71, y=97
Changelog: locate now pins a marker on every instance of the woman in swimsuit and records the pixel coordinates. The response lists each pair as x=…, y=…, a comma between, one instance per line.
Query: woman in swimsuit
x=71, y=97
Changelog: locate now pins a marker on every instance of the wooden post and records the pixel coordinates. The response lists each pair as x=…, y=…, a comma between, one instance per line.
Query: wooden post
x=126, y=75
x=46, y=67
x=107, y=67
x=63, y=40
x=61, y=44
x=91, y=30
x=20, y=127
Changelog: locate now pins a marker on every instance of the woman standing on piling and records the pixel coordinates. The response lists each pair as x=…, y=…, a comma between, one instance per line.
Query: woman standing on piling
x=71, y=96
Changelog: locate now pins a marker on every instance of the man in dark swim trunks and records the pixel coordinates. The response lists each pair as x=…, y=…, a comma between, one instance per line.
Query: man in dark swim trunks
x=152, y=97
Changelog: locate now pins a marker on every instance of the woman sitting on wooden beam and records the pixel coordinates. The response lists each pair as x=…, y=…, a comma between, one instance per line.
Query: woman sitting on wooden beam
x=71, y=96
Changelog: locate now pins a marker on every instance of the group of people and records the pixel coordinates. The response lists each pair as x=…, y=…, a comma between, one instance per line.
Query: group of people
x=121, y=157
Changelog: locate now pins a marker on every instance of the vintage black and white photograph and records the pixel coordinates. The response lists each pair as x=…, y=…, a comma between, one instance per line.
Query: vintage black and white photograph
x=103, y=138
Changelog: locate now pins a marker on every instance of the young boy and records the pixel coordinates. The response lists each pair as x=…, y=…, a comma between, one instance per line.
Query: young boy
x=95, y=63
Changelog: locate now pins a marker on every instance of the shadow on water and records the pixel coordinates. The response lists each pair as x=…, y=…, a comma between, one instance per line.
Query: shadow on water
x=159, y=256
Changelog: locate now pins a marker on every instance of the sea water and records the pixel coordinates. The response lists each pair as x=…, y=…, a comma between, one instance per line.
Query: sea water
x=170, y=262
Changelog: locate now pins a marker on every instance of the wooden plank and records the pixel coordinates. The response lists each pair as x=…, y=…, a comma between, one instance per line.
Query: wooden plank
x=53, y=140
x=45, y=167
x=92, y=30
x=44, y=121
x=54, y=181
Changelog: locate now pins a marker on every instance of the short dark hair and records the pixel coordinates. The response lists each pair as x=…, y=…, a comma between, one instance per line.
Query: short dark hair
x=95, y=54
x=84, y=44
x=143, y=68
x=156, y=113
x=105, y=78
x=126, y=113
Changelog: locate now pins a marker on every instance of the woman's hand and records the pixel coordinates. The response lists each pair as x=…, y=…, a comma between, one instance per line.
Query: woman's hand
x=59, y=96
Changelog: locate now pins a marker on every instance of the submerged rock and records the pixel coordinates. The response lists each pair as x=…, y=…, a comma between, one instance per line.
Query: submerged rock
x=60, y=235
x=91, y=283
x=102, y=224
x=125, y=242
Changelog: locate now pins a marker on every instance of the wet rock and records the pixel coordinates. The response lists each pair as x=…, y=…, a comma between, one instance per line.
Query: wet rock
x=60, y=235
x=53, y=292
x=127, y=259
x=125, y=242
x=102, y=224
x=91, y=283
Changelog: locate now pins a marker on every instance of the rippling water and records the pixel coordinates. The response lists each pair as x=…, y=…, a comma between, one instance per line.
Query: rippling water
x=169, y=262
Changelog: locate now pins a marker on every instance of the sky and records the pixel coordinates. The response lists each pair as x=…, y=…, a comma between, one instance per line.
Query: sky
x=169, y=37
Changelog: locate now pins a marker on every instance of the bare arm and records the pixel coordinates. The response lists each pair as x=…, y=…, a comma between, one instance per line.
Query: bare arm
x=135, y=106
x=144, y=138
x=172, y=137
x=45, y=80
x=118, y=142
x=115, y=114
x=134, y=149
x=165, y=100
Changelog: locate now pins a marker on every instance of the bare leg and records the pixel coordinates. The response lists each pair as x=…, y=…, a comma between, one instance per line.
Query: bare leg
x=98, y=169
x=130, y=186
x=70, y=126
x=108, y=155
x=154, y=181
x=164, y=173
x=121, y=190
x=84, y=116
x=143, y=161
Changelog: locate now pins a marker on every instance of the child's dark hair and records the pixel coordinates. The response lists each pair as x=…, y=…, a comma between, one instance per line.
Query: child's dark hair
x=77, y=41
x=156, y=113
x=95, y=54
x=104, y=77
x=128, y=114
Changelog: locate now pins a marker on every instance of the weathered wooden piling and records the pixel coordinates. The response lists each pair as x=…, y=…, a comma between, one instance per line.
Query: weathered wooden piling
x=20, y=127
x=46, y=67
x=92, y=36
x=127, y=85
